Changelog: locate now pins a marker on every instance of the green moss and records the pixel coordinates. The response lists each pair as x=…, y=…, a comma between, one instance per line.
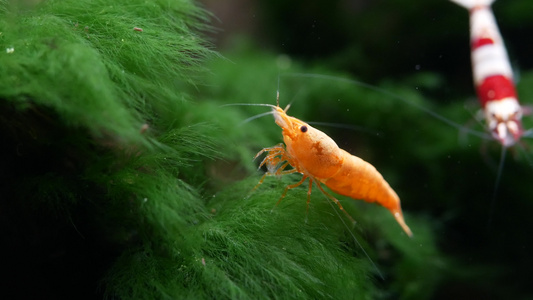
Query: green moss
x=76, y=91
x=86, y=61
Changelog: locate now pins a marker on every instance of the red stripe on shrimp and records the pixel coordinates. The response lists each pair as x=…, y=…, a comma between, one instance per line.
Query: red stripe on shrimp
x=495, y=87
x=481, y=42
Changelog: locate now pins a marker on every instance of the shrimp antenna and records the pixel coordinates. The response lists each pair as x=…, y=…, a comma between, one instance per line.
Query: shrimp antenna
x=496, y=186
x=355, y=238
x=523, y=150
x=346, y=126
x=249, y=104
x=277, y=93
x=277, y=99
x=528, y=133
x=394, y=96
x=252, y=104
x=257, y=117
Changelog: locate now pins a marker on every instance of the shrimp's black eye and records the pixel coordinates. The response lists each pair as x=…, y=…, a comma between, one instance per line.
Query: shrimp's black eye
x=303, y=128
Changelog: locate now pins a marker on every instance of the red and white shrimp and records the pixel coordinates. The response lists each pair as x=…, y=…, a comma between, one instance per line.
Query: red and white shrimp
x=493, y=76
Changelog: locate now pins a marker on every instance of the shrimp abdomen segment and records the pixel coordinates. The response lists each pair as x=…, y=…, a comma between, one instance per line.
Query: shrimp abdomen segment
x=358, y=179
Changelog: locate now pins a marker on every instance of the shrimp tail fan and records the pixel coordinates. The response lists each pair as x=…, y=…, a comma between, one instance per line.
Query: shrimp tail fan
x=469, y=4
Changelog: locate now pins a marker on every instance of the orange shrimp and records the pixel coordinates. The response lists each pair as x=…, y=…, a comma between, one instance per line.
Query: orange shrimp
x=316, y=156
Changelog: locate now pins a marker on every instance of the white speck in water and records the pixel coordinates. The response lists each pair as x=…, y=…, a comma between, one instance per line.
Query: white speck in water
x=145, y=200
x=417, y=67
x=10, y=50
x=347, y=109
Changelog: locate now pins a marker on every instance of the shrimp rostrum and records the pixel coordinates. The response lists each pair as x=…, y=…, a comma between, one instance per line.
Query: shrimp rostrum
x=316, y=156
